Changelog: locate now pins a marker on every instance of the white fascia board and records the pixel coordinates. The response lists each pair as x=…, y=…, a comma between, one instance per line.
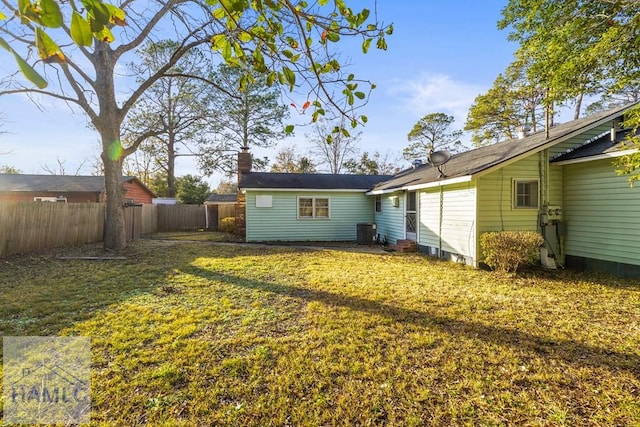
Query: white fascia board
x=604, y=156
x=308, y=190
x=442, y=183
x=378, y=192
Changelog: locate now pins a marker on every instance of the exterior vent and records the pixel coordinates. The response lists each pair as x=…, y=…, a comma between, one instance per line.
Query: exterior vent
x=523, y=131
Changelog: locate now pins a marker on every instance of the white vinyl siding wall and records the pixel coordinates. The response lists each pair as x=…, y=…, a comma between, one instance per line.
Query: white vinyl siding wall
x=458, y=219
x=280, y=222
x=602, y=213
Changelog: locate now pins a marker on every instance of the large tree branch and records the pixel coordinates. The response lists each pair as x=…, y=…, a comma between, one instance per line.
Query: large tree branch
x=208, y=81
x=82, y=100
x=133, y=146
x=80, y=71
x=40, y=92
x=160, y=72
x=144, y=33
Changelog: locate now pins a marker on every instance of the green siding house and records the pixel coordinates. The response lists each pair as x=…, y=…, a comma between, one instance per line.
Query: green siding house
x=560, y=183
x=306, y=207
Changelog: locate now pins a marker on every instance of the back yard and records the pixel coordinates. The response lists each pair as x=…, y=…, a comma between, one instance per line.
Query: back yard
x=198, y=333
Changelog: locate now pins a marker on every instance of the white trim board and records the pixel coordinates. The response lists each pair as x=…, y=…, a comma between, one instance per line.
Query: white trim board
x=604, y=156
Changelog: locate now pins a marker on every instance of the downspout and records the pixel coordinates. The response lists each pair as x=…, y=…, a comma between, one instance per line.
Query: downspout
x=543, y=171
x=440, y=222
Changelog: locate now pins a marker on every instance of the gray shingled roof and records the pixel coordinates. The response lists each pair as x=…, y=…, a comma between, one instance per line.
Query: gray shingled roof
x=309, y=181
x=602, y=145
x=480, y=159
x=222, y=198
x=54, y=183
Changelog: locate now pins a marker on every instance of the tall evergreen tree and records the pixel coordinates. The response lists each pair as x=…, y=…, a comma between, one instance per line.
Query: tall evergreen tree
x=175, y=110
x=251, y=117
x=432, y=133
x=511, y=103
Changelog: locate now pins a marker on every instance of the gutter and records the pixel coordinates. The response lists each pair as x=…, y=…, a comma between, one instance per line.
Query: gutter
x=604, y=156
x=308, y=190
x=433, y=184
x=441, y=183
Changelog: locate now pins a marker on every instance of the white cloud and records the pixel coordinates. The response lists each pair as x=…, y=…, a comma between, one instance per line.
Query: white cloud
x=434, y=93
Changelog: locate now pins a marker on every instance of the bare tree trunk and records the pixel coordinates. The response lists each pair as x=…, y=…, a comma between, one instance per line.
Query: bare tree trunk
x=108, y=123
x=114, y=228
x=171, y=167
x=578, y=107
x=534, y=124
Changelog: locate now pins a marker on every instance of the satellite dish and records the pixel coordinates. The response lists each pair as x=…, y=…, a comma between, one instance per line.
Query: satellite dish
x=439, y=158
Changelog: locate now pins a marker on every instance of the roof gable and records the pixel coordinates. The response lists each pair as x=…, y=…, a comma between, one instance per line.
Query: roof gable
x=493, y=156
x=598, y=147
x=59, y=183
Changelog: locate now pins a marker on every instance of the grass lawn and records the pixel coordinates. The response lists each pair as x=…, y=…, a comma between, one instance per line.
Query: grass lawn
x=194, y=333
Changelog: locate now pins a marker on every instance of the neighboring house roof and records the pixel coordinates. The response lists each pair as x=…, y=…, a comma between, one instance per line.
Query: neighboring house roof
x=465, y=165
x=309, y=181
x=600, y=147
x=59, y=183
x=222, y=198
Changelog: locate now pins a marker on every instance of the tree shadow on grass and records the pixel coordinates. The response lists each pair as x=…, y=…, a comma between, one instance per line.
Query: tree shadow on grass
x=567, y=350
x=42, y=294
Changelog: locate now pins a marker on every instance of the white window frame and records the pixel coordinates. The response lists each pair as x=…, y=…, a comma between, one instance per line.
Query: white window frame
x=314, y=215
x=517, y=181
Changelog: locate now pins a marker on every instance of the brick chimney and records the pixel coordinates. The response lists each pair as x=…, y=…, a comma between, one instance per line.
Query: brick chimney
x=244, y=163
x=244, y=167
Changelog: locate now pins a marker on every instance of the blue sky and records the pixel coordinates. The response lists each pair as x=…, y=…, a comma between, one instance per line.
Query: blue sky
x=440, y=57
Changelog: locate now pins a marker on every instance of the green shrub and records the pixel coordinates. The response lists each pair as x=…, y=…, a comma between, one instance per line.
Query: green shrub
x=227, y=225
x=505, y=251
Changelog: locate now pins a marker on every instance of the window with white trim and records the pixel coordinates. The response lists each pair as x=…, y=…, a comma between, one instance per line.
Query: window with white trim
x=379, y=203
x=526, y=193
x=313, y=207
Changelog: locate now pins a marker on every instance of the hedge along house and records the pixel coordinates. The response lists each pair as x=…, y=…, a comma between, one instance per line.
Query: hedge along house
x=587, y=214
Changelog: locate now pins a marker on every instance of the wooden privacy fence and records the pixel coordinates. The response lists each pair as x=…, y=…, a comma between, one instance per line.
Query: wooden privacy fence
x=31, y=226
x=181, y=217
x=28, y=226
x=133, y=222
x=216, y=213
x=149, y=219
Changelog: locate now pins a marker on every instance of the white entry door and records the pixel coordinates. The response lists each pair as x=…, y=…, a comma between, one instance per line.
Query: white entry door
x=411, y=216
